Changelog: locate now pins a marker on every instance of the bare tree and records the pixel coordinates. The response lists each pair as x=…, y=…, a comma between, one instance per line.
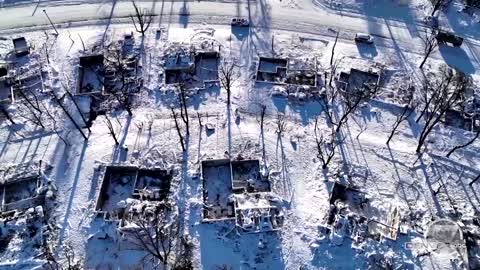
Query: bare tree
x=406, y=112
x=32, y=105
x=183, y=107
x=60, y=103
x=439, y=4
x=144, y=19
x=228, y=75
x=326, y=146
x=68, y=259
x=444, y=92
x=179, y=131
x=281, y=124
x=460, y=146
x=126, y=80
x=6, y=114
x=353, y=99
x=54, y=121
x=111, y=129
x=430, y=42
x=333, y=48
x=474, y=180
x=154, y=232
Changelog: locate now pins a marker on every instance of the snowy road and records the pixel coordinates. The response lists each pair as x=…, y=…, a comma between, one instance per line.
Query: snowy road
x=308, y=19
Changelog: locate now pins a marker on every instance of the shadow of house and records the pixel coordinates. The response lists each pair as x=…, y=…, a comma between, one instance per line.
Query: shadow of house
x=21, y=47
x=90, y=75
x=124, y=182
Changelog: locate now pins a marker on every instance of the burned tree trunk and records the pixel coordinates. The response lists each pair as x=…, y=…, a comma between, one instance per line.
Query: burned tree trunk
x=144, y=19
x=111, y=129
x=183, y=108
x=59, y=102
x=352, y=101
x=325, y=147
x=430, y=42
x=445, y=96
x=439, y=4
x=6, y=114
x=179, y=132
x=463, y=145
x=333, y=48
x=228, y=75
x=406, y=112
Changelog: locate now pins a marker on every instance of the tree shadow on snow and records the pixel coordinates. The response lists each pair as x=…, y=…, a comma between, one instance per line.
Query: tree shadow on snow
x=221, y=244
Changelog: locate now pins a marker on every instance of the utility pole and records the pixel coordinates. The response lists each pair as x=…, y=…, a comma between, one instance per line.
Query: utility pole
x=44, y=11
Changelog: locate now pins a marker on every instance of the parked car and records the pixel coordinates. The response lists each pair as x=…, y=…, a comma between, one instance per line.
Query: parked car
x=364, y=38
x=239, y=22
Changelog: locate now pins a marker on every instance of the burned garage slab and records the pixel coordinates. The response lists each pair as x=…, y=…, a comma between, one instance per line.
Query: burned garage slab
x=273, y=70
x=258, y=212
x=194, y=69
x=356, y=80
x=123, y=182
x=90, y=75
x=291, y=71
x=21, y=47
x=21, y=193
x=236, y=190
x=153, y=185
x=217, y=189
x=361, y=217
x=117, y=185
x=23, y=186
x=246, y=177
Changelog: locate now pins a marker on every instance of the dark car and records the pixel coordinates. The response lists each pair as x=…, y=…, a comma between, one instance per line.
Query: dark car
x=239, y=22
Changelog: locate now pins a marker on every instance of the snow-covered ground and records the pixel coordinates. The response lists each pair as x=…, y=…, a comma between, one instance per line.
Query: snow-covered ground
x=420, y=188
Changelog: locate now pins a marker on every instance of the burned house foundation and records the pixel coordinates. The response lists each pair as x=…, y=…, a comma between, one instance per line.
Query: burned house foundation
x=235, y=190
x=121, y=183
